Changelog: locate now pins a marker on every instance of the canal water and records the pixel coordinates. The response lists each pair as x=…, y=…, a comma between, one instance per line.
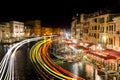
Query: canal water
x=26, y=71
x=3, y=49
x=80, y=68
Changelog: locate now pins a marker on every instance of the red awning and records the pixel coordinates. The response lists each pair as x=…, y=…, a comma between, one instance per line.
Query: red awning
x=112, y=52
x=104, y=57
x=110, y=57
x=89, y=45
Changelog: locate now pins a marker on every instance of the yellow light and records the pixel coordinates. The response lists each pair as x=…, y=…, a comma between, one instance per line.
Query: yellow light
x=104, y=38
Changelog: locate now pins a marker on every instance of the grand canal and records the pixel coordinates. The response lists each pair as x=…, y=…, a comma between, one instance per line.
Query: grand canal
x=24, y=69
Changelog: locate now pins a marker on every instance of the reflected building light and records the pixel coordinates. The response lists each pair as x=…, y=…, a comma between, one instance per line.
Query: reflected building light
x=98, y=77
x=75, y=68
x=80, y=64
x=89, y=71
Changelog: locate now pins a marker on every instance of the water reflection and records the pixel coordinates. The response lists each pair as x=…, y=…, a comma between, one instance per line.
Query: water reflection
x=89, y=71
x=75, y=68
x=6, y=47
x=25, y=70
x=3, y=49
x=81, y=69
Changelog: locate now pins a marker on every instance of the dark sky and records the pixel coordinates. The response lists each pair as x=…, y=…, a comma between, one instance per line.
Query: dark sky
x=52, y=13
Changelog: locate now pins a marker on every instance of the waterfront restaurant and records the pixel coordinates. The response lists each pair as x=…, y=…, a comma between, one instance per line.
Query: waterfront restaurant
x=102, y=59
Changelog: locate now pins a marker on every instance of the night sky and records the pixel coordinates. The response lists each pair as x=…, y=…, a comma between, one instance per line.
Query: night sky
x=53, y=13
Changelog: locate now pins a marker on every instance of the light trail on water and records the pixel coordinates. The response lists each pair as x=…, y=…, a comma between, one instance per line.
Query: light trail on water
x=45, y=66
x=7, y=63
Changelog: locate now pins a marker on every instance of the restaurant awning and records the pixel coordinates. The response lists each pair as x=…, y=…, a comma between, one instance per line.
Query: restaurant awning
x=102, y=55
x=89, y=44
x=112, y=52
x=110, y=57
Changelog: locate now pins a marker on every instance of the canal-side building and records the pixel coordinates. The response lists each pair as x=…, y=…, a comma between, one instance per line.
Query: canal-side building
x=37, y=27
x=5, y=30
x=17, y=29
x=103, y=32
x=79, y=27
x=12, y=30
x=51, y=31
x=57, y=30
x=100, y=27
x=33, y=27
x=46, y=31
x=97, y=29
x=114, y=41
x=73, y=27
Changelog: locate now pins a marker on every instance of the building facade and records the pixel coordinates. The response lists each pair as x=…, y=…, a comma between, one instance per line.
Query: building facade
x=5, y=31
x=97, y=28
x=50, y=30
x=77, y=28
x=103, y=31
x=17, y=29
x=11, y=31
x=33, y=27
